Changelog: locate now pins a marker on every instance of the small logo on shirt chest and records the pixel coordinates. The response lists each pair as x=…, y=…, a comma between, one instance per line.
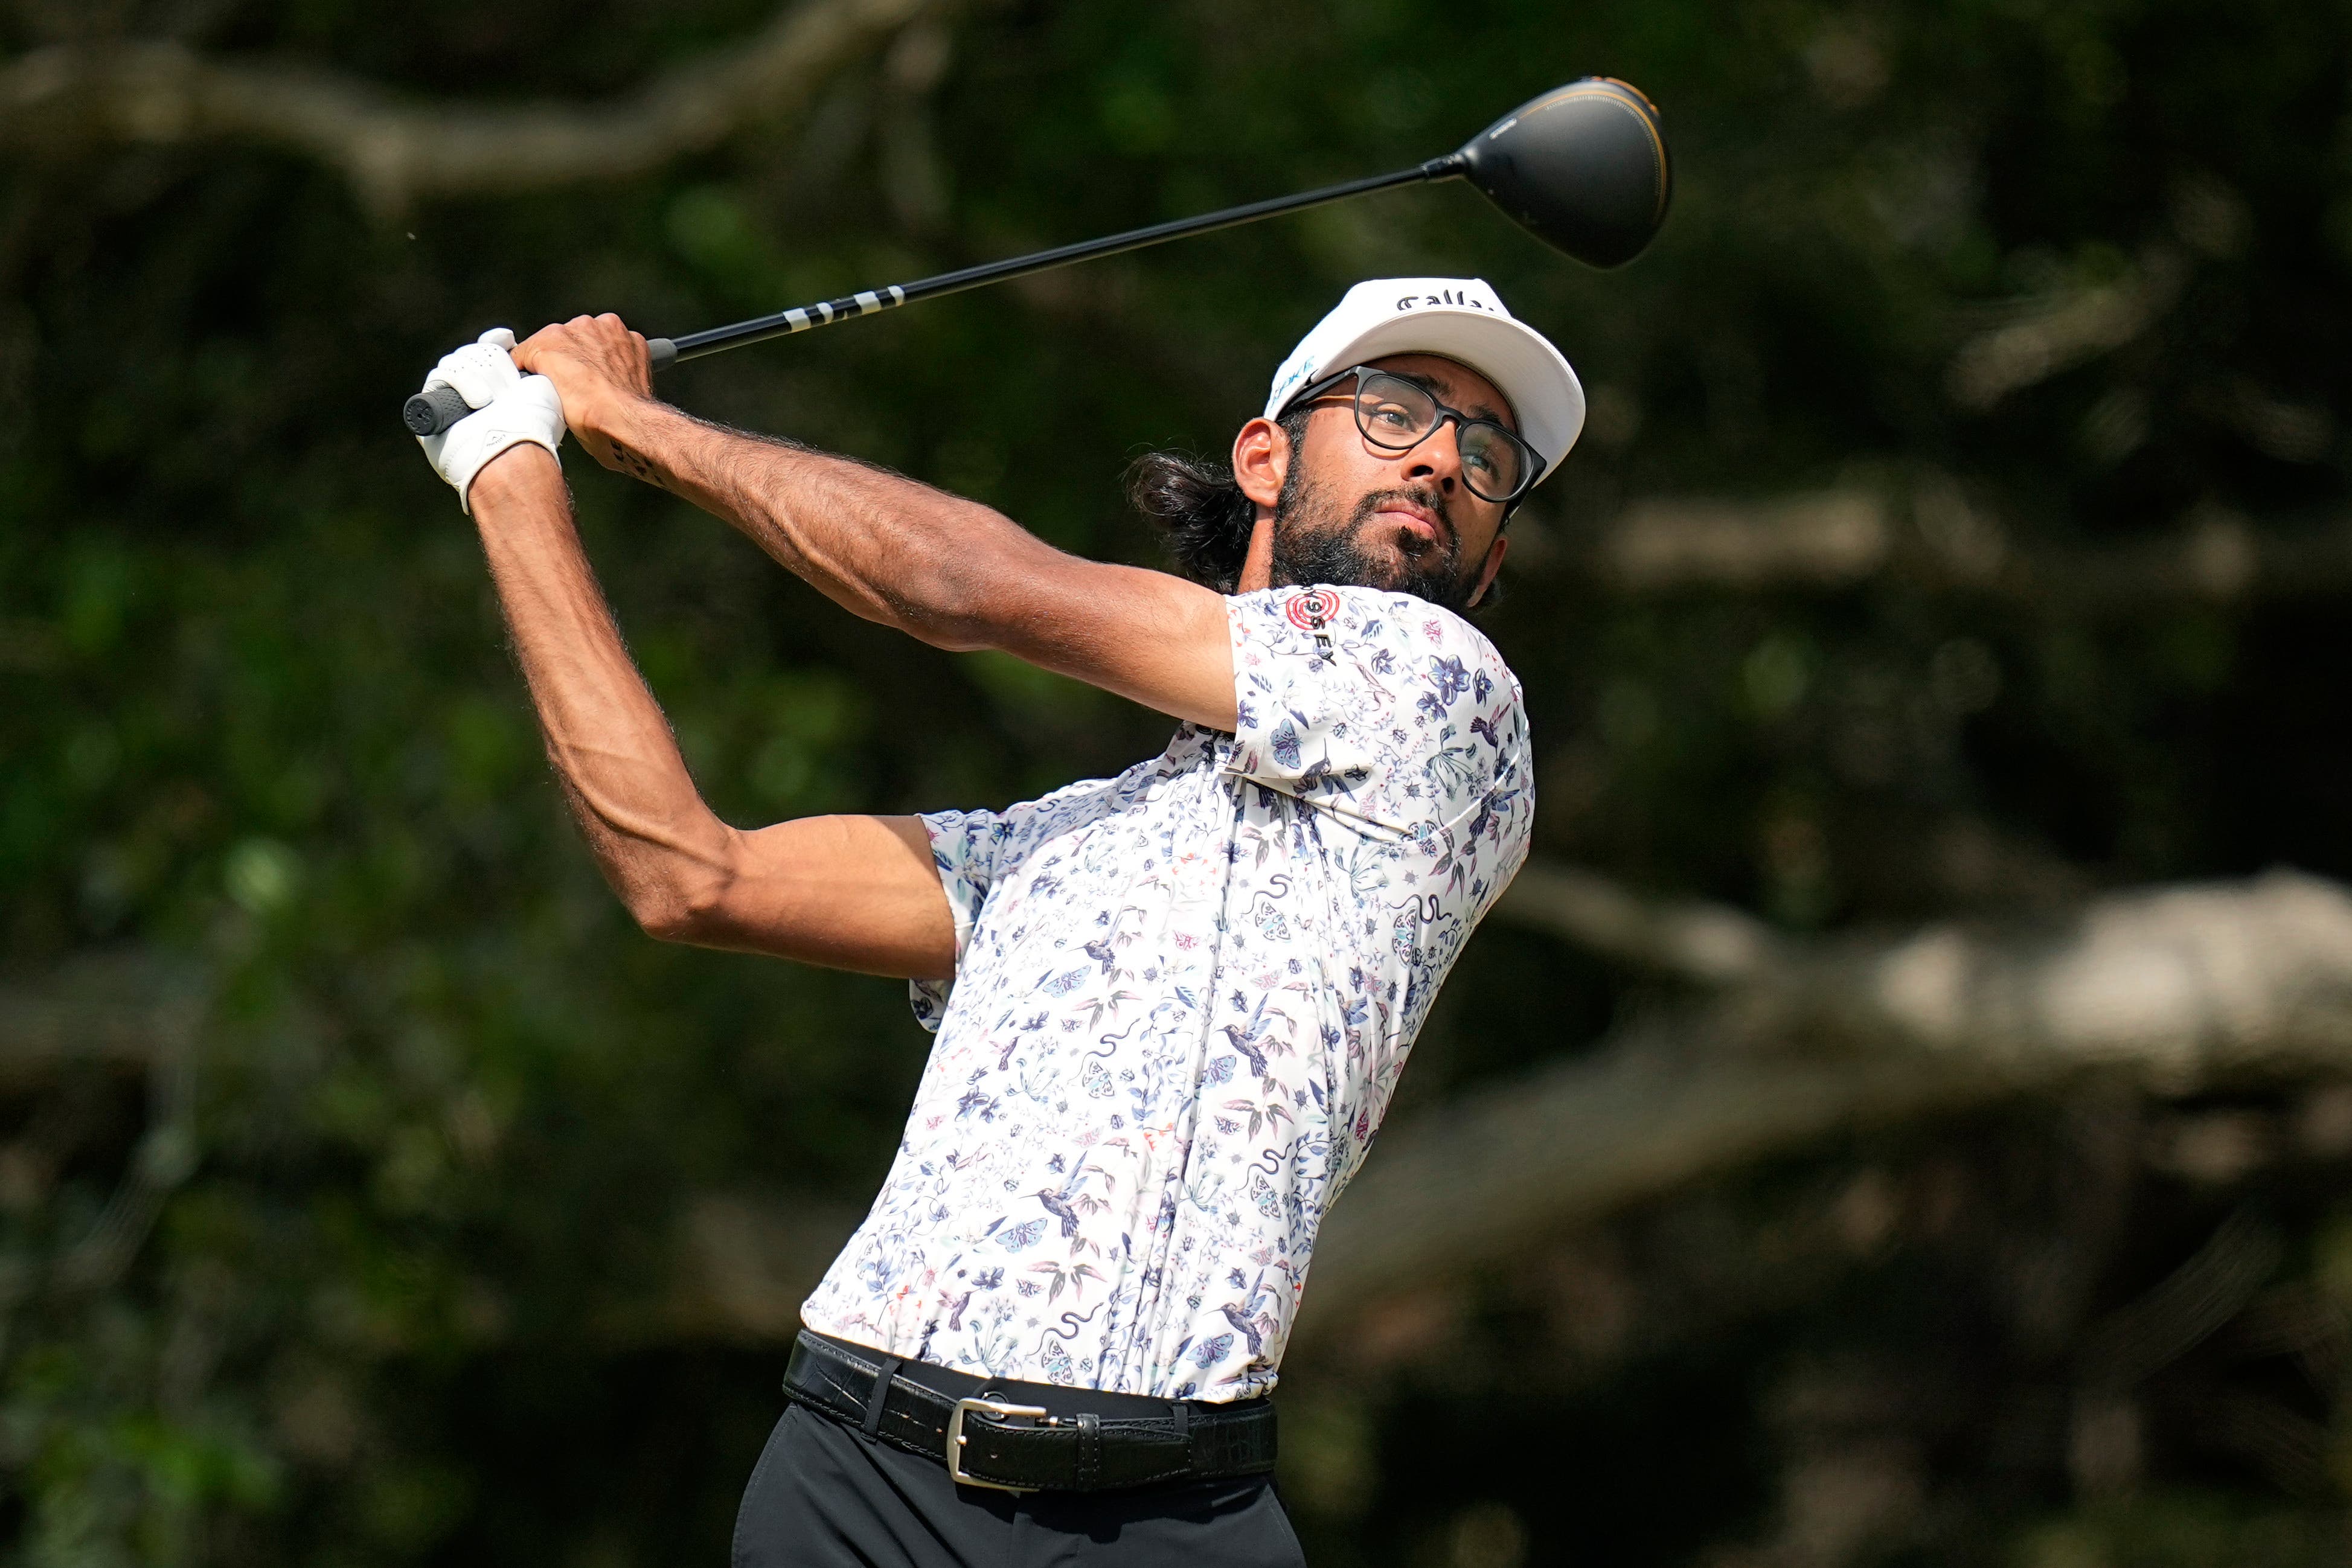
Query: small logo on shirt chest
x=1312, y=611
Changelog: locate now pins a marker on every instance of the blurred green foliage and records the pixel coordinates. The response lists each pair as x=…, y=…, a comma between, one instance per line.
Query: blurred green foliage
x=448, y=1103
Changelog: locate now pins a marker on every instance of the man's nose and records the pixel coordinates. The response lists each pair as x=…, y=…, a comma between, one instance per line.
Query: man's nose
x=1438, y=457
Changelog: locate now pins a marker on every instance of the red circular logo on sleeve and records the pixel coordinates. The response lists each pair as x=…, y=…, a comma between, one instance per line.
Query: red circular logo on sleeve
x=1309, y=611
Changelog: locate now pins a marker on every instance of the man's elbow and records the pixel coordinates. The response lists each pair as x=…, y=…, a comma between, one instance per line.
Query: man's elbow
x=686, y=905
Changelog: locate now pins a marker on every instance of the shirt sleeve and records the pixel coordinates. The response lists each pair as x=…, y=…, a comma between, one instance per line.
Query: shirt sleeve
x=964, y=847
x=1379, y=708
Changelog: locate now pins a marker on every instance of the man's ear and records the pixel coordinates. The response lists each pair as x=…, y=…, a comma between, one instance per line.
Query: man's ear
x=1261, y=459
x=1494, y=553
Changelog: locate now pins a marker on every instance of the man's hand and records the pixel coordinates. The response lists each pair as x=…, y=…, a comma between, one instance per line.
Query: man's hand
x=508, y=408
x=602, y=372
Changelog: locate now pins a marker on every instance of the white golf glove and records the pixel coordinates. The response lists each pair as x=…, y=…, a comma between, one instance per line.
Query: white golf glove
x=509, y=406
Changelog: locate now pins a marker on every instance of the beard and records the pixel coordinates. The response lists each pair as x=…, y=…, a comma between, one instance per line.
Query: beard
x=1315, y=543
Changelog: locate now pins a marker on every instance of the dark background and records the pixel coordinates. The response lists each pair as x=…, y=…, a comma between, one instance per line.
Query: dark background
x=359, y=1159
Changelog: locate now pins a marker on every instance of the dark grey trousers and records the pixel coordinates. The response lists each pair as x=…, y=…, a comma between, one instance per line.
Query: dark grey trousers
x=823, y=1496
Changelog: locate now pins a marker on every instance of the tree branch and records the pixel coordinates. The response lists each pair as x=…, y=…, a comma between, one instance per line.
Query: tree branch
x=1932, y=537
x=396, y=152
x=2175, y=987
x=126, y=1010
x=1832, y=538
x=2045, y=337
x=1709, y=943
x=131, y=1010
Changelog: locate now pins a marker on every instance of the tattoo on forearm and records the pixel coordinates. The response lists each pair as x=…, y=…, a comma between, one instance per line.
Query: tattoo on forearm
x=637, y=466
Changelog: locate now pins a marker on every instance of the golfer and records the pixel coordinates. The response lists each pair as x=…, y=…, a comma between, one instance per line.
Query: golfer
x=1171, y=1006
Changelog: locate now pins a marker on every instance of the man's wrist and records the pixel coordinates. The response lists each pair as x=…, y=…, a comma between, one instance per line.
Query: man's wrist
x=522, y=470
x=622, y=415
x=632, y=429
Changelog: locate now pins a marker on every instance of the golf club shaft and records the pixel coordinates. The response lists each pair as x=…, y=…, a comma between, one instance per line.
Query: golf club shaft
x=430, y=412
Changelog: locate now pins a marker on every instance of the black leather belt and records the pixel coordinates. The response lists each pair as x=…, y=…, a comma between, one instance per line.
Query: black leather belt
x=1028, y=1436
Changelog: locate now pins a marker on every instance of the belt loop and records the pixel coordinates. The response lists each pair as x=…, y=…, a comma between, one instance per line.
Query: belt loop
x=1089, y=1449
x=1185, y=1426
x=873, y=1422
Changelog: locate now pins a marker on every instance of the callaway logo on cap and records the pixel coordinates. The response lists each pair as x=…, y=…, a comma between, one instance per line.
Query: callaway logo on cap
x=1462, y=319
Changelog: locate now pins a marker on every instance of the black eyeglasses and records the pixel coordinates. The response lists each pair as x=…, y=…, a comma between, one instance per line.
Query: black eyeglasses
x=1397, y=415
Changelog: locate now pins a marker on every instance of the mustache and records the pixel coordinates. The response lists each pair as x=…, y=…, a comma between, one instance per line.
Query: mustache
x=1429, y=499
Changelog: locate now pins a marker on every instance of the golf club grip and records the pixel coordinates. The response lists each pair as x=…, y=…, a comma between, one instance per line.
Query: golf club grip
x=436, y=409
x=433, y=410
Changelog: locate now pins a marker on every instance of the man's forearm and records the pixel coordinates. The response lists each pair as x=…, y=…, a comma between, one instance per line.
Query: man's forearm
x=954, y=573
x=880, y=544
x=658, y=845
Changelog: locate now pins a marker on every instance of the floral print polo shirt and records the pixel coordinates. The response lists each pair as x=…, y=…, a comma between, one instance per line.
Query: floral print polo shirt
x=1182, y=1001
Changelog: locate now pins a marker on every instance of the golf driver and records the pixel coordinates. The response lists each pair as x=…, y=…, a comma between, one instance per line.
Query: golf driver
x=1582, y=167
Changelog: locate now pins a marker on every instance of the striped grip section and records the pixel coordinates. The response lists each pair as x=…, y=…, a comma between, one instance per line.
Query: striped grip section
x=863, y=303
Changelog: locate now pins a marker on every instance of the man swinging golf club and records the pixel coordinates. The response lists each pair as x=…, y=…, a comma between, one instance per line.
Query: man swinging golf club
x=1171, y=1006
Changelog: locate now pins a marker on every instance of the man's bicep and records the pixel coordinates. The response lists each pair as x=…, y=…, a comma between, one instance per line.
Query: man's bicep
x=847, y=892
x=1149, y=636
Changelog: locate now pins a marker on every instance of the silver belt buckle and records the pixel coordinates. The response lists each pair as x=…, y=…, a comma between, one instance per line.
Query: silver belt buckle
x=955, y=1439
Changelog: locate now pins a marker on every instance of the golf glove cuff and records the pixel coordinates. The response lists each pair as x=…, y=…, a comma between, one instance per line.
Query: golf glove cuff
x=509, y=407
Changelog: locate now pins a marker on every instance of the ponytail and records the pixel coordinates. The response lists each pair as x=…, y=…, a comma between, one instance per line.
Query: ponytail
x=1201, y=510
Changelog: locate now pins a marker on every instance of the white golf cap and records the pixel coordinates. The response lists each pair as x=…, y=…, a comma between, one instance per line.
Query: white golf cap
x=1460, y=318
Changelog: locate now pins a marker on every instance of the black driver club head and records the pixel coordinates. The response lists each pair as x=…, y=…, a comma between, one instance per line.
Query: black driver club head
x=1583, y=168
